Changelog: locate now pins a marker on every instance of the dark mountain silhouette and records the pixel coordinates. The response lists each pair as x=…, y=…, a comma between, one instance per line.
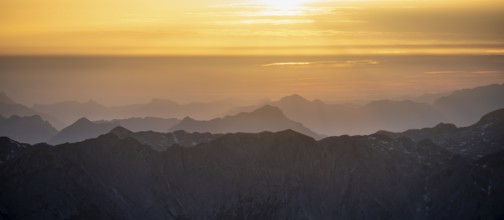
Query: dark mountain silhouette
x=162, y=141
x=464, y=107
x=282, y=175
x=81, y=130
x=266, y=118
x=476, y=141
x=11, y=149
x=28, y=129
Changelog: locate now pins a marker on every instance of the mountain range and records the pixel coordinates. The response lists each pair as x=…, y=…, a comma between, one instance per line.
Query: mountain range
x=314, y=118
x=473, y=142
x=84, y=128
x=9, y=107
x=28, y=129
x=459, y=108
x=266, y=118
x=70, y=111
x=266, y=175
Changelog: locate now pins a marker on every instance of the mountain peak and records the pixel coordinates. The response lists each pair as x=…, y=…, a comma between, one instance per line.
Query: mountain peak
x=268, y=110
x=83, y=120
x=121, y=132
x=295, y=98
x=5, y=99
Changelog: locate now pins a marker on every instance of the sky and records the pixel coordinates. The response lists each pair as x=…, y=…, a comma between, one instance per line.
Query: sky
x=131, y=51
x=254, y=27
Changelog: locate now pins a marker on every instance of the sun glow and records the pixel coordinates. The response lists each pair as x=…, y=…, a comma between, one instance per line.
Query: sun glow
x=284, y=5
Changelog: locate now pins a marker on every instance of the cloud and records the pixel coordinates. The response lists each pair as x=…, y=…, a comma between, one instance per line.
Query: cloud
x=265, y=21
x=334, y=64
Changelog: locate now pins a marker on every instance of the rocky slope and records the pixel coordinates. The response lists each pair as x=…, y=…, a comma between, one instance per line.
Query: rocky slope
x=282, y=175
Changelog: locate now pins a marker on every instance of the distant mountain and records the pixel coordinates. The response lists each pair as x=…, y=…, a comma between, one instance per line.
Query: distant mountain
x=169, y=109
x=337, y=119
x=9, y=107
x=266, y=118
x=464, y=107
x=476, y=141
x=428, y=98
x=396, y=115
x=27, y=129
x=84, y=128
x=81, y=130
x=4, y=99
x=147, y=123
x=282, y=175
x=70, y=111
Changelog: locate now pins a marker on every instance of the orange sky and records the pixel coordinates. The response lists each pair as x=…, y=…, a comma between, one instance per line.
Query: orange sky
x=332, y=50
x=220, y=27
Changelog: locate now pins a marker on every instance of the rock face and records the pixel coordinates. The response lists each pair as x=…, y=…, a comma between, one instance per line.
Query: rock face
x=282, y=175
x=266, y=118
x=476, y=141
x=28, y=129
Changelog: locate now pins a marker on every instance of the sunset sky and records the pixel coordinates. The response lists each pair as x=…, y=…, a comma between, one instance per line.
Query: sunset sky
x=254, y=27
x=334, y=50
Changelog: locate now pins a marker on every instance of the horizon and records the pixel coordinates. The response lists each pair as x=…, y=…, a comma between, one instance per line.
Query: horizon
x=118, y=80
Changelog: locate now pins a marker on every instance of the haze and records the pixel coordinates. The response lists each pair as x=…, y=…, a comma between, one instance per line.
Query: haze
x=119, y=52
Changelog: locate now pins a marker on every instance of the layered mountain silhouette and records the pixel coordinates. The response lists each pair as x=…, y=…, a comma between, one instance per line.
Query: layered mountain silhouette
x=81, y=130
x=84, y=128
x=9, y=107
x=147, y=123
x=476, y=141
x=27, y=129
x=462, y=108
x=281, y=175
x=266, y=118
x=70, y=111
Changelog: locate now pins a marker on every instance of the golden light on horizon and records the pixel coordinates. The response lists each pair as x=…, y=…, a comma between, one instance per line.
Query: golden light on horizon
x=217, y=27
